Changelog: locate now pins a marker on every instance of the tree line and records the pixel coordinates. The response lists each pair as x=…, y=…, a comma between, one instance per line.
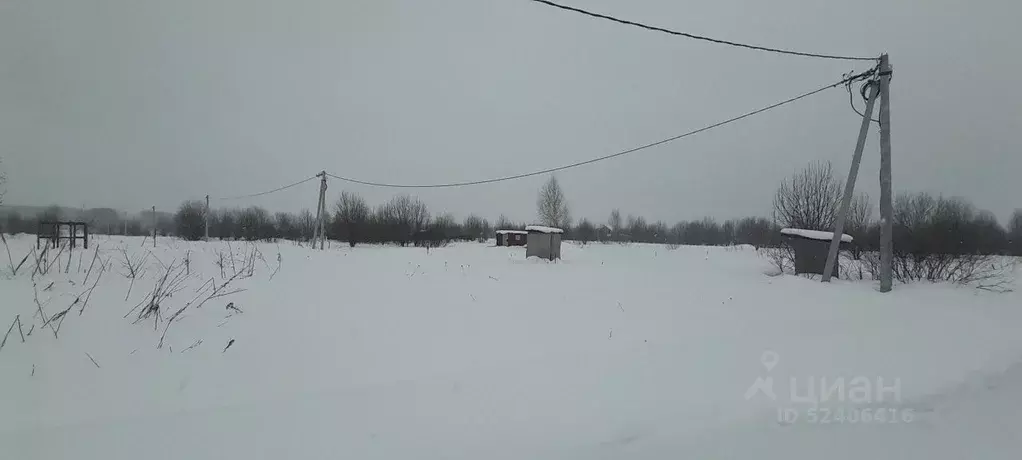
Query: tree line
x=924, y=224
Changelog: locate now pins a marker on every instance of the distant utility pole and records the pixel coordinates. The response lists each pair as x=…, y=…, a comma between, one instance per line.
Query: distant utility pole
x=154, y=226
x=853, y=173
x=207, y=218
x=318, y=233
x=886, y=208
x=322, y=205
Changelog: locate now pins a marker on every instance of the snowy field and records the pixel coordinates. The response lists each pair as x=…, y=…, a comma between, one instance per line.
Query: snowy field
x=474, y=352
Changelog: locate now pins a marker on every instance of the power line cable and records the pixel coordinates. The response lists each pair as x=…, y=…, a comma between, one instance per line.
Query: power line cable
x=851, y=98
x=614, y=155
x=700, y=37
x=268, y=191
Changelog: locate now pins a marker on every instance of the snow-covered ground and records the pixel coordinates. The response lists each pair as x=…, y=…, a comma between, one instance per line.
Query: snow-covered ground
x=473, y=352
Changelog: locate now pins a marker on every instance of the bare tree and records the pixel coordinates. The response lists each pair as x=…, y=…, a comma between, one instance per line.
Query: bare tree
x=255, y=224
x=401, y=217
x=351, y=217
x=445, y=226
x=637, y=229
x=1015, y=233
x=503, y=223
x=757, y=231
x=614, y=222
x=190, y=220
x=551, y=206
x=306, y=224
x=810, y=199
x=857, y=222
x=286, y=227
x=585, y=231
x=476, y=227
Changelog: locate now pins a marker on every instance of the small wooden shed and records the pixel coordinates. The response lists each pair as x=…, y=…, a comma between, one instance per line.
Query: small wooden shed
x=544, y=242
x=511, y=237
x=811, y=247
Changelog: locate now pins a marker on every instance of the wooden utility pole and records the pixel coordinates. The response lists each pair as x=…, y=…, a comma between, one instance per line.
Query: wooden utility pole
x=207, y=218
x=154, y=226
x=853, y=173
x=886, y=208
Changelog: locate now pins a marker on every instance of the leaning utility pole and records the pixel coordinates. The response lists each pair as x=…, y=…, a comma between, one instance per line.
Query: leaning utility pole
x=207, y=218
x=853, y=173
x=886, y=208
x=319, y=211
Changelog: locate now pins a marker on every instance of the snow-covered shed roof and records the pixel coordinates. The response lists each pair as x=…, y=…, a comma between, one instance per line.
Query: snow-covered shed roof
x=512, y=232
x=815, y=234
x=543, y=229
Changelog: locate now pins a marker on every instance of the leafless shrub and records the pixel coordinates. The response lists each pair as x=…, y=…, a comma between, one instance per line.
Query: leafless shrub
x=133, y=267
x=851, y=266
x=809, y=199
x=169, y=284
x=781, y=257
x=987, y=272
x=942, y=239
x=203, y=290
x=222, y=290
x=251, y=256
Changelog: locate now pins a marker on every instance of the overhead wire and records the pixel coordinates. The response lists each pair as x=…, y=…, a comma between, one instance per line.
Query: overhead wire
x=846, y=80
x=870, y=78
x=703, y=38
x=851, y=100
x=269, y=191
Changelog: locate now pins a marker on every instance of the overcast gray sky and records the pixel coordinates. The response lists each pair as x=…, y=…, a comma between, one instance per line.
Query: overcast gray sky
x=134, y=103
